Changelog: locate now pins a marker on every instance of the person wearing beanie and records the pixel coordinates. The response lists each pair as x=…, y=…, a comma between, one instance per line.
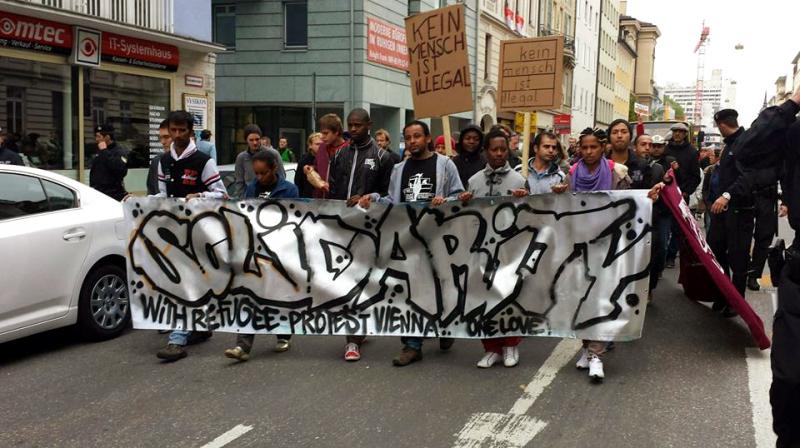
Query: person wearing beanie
x=469, y=158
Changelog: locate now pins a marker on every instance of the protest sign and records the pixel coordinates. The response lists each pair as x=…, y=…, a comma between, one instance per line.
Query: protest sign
x=438, y=62
x=531, y=74
x=488, y=268
x=386, y=44
x=716, y=279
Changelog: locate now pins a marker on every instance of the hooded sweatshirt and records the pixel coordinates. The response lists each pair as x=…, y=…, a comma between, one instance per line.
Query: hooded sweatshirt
x=495, y=182
x=469, y=163
x=542, y=183
x=448, y=184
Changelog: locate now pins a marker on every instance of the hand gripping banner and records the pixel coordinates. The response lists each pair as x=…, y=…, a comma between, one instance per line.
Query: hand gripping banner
x=570, y=265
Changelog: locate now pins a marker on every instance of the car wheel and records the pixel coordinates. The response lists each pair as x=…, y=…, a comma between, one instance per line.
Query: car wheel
x=104, y=307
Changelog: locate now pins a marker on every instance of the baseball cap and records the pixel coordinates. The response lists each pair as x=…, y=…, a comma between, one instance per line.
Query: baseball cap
x=104, y=129
x=659, y=140
x=725, y=114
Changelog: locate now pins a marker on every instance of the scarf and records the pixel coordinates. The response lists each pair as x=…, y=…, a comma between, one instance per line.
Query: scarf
x=583, y=180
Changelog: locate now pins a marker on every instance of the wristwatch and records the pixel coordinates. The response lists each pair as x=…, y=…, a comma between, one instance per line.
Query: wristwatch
x=726, y=195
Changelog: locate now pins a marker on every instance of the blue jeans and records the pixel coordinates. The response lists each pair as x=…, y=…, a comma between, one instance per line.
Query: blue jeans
x=661, y=231
x=674, y=241
x=179, y=337
x=412, y=342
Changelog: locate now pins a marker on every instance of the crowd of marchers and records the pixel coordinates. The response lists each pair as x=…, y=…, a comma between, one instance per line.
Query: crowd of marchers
x=351, y=162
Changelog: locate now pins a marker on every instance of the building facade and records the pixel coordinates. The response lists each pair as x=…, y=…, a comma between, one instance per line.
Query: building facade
x=626, y=65
x=126, y=68
x=584, y=87
x=718, y=93
x=289, y=62
x=607, y=63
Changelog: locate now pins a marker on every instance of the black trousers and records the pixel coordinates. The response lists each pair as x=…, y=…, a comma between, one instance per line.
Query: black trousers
x=766, y=226
x=784, y=395
x=729, y=238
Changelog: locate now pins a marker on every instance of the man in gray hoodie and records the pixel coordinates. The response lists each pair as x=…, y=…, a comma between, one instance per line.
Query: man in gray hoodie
x=424, y=177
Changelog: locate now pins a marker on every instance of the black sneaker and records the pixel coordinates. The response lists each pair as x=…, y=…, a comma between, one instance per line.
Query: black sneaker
x=407, y=356
x=446, y=343
x=197, y=337
x=752, y=284
x=729, y=312
x=172, y=352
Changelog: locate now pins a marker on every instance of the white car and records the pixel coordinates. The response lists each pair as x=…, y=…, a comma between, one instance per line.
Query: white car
x=62, y=262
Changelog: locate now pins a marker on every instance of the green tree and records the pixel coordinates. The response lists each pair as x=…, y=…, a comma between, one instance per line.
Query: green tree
x=632, y=109
x=680, y=114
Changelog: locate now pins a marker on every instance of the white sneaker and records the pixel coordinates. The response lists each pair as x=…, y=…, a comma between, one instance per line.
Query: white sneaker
x=510, y=356
x=596, y=368
x=583, y=361
x=488, y=360
x=352, y=352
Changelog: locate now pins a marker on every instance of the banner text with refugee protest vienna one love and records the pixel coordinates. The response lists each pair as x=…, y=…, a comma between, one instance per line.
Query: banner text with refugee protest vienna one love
x=439, y=62
x=553, y=265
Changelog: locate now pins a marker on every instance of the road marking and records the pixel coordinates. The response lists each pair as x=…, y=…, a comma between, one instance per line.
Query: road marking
x=515, y=429
x=759, y=378
x=236, y=432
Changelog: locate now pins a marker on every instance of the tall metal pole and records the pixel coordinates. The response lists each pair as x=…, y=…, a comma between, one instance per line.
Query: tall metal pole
x=314, y=102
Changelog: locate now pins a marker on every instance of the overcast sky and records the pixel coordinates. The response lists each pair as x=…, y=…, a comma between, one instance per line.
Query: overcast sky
x=768, y=29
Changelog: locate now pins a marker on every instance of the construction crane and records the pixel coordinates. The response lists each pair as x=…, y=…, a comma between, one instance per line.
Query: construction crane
x=700, y=49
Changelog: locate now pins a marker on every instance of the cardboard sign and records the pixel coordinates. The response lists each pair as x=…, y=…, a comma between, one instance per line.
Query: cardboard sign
x=531, y=74
x=438, y=62
x=386, y=44
x=30, y=33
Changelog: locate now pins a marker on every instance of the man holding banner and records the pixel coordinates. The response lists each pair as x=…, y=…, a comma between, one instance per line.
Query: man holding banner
x=425, y=177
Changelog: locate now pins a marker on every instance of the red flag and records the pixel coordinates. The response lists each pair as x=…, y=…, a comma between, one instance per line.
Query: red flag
x=520, y=23
x=671, y=195
x=509, y=13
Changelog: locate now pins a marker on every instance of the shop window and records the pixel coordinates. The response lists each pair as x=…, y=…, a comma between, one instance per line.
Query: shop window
x=133, y=105
x=38, y=113
x=295, y=25
x=225, y=25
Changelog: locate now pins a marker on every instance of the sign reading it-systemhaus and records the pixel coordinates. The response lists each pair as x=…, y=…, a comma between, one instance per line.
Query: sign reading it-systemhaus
x=531, y=74
x=438, y=62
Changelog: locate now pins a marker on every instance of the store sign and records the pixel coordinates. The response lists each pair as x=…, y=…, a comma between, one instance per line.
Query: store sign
x=87, y=47
x=29, y=33
x=562, y=124
x=193, y=81
x=386, y=44
x=139, y=52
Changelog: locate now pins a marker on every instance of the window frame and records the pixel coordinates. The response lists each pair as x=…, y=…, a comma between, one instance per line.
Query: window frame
x=40, y=181
x=230, y=11
x=286, y=45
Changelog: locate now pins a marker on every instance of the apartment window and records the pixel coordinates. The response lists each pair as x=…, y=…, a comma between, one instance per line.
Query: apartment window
x=295, y=24
x=15, y=98
x=487, y=57
x=225, y=25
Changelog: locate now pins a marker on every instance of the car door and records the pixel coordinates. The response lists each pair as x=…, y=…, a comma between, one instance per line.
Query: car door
x=44, y=239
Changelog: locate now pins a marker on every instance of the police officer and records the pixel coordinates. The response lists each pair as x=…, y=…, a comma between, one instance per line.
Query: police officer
x=731, y=229
x=7, y=156
x=773, y=143
x=110, y=165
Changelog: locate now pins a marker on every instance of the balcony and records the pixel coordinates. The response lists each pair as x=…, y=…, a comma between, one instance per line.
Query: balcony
x=152, y=14
x=569, y=44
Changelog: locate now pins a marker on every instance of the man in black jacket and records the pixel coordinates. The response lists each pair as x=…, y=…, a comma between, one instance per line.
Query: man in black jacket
x=110, y=165
x=358, y=169
x=731, y=230
x=687, y=175
x=773, y=142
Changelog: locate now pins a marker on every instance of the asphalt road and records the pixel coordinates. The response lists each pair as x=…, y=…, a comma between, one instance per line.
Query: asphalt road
x=684, y=384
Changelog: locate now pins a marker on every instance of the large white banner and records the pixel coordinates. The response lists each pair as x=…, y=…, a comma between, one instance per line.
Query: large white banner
x=570, y=265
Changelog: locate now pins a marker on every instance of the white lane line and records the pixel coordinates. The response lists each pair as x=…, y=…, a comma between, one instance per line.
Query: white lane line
x=236, y=432
x=759, y=378
x=515, y=429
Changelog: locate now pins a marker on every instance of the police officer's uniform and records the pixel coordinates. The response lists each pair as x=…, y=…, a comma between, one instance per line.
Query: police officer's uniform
x=109, y=168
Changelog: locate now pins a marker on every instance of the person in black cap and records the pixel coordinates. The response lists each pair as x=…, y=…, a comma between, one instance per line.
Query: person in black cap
x=765, y=209
x=110, y=165
x=688, y=176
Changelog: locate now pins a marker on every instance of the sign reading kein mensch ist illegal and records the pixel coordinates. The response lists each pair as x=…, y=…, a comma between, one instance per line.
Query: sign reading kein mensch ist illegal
x=531, y=74
x=438, y=62
x=30, y=33
x=139, y=52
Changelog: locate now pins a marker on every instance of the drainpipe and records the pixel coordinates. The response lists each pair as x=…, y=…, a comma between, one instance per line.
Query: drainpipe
x=475, y=114
x=352, y=56
x=597, y=71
